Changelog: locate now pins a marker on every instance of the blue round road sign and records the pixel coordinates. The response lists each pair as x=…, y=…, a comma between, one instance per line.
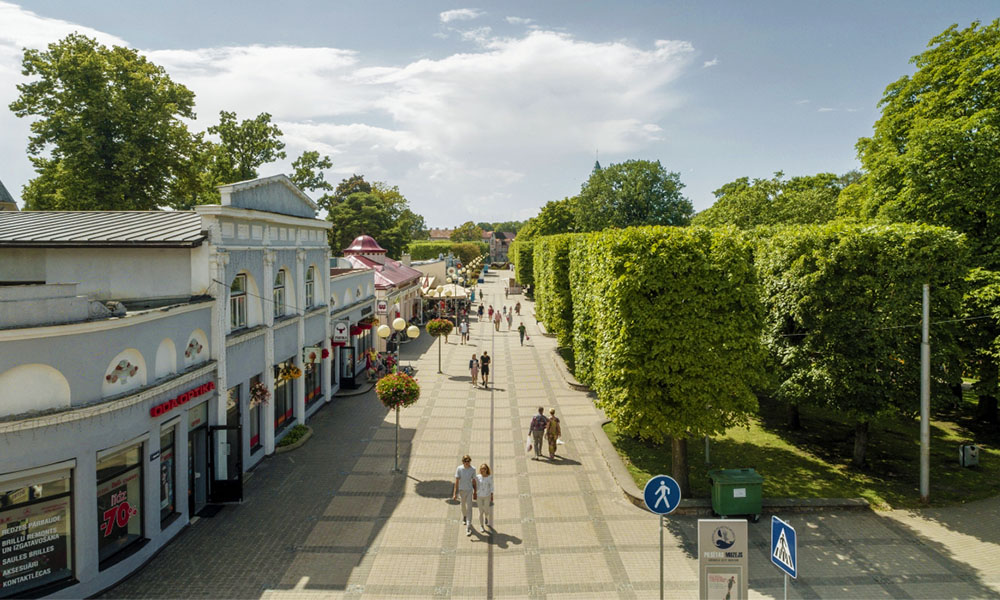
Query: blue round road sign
x=662, y=494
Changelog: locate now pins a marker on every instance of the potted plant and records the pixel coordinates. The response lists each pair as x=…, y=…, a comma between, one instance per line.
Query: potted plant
x=259, y=394
x=437, y=328
x=395, y=391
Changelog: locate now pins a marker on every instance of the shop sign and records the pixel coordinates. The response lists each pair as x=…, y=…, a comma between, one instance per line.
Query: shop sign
x=382, y=307
x=34, y=545
x=165, y=407
x=366, y=310
x=341, y=331
x=119, y=511
x=198, y=415
x=312, y=354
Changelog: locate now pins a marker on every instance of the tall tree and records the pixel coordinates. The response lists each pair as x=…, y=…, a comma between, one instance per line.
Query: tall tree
x=981, y=339
x=934, y=156
x=555, y=217
x=467, y=232
x=485, y=226
x=244, y=146
x=307, y=171
x=379, y=210
x=108, y=133
x=635, y=192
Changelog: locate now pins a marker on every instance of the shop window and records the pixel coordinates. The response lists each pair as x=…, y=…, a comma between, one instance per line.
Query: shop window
x=314, y=387
x=238, y=302
x=36, y=546
x=310, y=286
x=279, y=293
x=168, y=477
x=256, y=414
x=119, y=503
x=283, y=389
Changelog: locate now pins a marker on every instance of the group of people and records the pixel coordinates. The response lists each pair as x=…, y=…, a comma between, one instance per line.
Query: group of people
x=472, y=487
x=480, y=366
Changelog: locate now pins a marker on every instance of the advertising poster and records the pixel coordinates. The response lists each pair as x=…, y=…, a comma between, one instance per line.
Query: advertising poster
x=723, y=559
x=167, y=482
x=34, y=546
x=118, y=518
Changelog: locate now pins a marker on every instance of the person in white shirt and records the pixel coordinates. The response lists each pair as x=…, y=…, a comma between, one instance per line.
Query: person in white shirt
x=484, y=496
x=463, y=328
x=465, y=486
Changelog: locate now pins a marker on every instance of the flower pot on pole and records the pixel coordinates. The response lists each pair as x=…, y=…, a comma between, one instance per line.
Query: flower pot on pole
x=395, y=391
x=437, y=328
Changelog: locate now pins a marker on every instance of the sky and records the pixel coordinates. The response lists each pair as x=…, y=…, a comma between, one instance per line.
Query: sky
x=485, y=112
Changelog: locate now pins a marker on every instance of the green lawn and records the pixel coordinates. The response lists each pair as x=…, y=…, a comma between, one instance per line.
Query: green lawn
x=814, y=462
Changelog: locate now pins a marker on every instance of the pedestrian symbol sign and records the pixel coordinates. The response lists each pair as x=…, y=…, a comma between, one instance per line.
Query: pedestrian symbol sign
x=662, y=494
x=783, y=548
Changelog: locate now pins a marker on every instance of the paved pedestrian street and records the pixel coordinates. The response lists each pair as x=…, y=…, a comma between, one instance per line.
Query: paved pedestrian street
x=330, y=519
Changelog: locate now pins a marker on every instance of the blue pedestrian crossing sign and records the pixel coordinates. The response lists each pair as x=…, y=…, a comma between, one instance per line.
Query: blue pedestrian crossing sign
x=783, y=551
x=662, y=494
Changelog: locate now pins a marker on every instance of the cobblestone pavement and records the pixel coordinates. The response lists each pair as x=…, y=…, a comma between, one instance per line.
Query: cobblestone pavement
x=331, y=520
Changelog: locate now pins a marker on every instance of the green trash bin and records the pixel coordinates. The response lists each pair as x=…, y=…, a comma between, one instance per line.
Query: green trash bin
x=736, y=492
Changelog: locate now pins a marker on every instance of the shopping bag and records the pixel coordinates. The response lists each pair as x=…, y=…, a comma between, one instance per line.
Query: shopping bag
x=527, y=447
x=559, y=441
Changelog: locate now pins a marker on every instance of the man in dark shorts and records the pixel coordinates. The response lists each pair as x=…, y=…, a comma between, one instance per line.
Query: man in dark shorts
x=484, y=368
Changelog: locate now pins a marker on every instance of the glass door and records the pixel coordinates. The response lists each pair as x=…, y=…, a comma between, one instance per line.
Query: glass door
x=225, y=464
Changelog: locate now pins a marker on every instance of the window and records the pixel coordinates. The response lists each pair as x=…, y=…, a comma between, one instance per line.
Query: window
x=36, y=529
x=255, y=417
x=283, y=404
x=119, y=502
x=238, y=303
x=310, y=286
x=168, y=476
x=279, y=293
x=314, y=388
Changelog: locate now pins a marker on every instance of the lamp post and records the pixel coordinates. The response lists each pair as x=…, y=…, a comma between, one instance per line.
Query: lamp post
x=384, y=332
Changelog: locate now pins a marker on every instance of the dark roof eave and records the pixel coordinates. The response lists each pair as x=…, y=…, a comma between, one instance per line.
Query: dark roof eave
x=23, y=244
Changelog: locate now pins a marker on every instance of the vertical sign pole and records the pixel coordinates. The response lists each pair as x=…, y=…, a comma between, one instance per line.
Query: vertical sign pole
x=395, y=464
x=661, y=557
x=786, y=586
x=925, y=397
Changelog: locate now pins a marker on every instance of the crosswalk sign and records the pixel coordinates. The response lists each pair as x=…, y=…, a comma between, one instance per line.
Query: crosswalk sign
x=783, y=546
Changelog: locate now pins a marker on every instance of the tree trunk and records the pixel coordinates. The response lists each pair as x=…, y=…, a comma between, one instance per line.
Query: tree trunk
x=679, y=464
x=860, y=444
x=986, y=410
x=794, y=421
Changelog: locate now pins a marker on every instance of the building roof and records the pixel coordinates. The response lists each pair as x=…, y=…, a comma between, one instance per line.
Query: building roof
x=77, y=229
x=364, y=244
x=440, y=234
x=5, y=197
x=388, y=275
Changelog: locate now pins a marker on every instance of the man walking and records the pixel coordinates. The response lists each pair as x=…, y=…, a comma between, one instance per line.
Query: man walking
x=521, y=330
x=463, y=328
x=484, y=368
x=496, y=320
x=465, y=487
x=537, y=431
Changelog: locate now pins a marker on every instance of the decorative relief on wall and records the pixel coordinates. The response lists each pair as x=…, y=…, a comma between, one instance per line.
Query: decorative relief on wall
x=122, y=372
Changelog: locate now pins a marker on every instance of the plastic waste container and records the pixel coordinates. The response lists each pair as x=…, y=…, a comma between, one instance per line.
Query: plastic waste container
x=736, y=492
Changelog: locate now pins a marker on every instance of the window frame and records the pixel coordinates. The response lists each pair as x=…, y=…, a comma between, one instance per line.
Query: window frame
x=278, y=293
x=310, y=299
x=238, y=303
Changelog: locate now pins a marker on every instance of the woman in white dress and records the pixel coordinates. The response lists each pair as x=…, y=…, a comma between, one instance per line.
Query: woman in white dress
x=484, y=496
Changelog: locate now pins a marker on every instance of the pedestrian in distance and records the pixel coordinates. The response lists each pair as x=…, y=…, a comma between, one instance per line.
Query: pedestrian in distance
x=484, y=368
x=552, y=433
x=490, y=312
x=484, y=496
x=522, y=330
x=496, y=321
x=510, y=319
x=480, y=312
x=506, y=292
x=465, y=488
x=537, y=431
x=474, y=369
x=517, y=309
x=463, y=328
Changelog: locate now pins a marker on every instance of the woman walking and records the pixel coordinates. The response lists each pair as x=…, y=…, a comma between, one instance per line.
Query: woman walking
x=517, y=309
x=552, y=433
x=484, y=496
x=510, y=319
x=474, y=369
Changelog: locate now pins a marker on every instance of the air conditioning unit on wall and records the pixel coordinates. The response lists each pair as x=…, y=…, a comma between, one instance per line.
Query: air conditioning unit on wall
x=968, y=455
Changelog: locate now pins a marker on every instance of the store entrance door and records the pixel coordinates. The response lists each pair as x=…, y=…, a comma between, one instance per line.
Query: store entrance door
x=347, y=367
x=197, y=470
x=225, y=464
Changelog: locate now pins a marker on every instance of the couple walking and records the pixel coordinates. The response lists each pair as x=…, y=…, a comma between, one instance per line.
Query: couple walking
x=548, y=428
x=479, y=366
x=474, y=487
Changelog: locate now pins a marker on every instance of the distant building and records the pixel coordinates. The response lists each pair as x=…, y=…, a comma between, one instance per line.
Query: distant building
x=440, y=235
x=6, y=200
x=500, y=245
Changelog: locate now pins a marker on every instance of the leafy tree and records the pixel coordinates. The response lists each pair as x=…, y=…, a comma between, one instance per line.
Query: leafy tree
x=635, y=192
x=108, y=133
x=843, y=306
x=467, y=232
x=307, y=171
x=554, y=218
x=799, y=200
x=508, y=226
x=689, y=297
x=981, y=337
x=244, y=146
x=375, y=209
x=485, y=226
x=934, y=156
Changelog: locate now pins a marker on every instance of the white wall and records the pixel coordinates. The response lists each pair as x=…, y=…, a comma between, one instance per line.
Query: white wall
x=122, y=273
x=22, y=264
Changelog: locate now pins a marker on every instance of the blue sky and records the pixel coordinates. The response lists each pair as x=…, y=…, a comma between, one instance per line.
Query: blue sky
x=487, y=111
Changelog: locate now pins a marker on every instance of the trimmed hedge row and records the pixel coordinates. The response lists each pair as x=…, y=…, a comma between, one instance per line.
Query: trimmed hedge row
x=428, y=250
x=553, y=300
x=521, y=253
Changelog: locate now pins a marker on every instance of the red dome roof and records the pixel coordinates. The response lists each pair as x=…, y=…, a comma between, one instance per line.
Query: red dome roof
x=364, y=244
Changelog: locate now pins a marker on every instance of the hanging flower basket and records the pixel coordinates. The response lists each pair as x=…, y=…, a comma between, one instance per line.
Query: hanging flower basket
x=325, y=353
x=438, y=327
x=289, y=372
x=259, y=394
x=397, y=390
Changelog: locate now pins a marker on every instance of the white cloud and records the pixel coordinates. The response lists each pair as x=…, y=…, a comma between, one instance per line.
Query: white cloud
x=460, y=14
x=710, y=63
x=519, y=20
x=802, y=102
x=826, y=109
x=473, y=135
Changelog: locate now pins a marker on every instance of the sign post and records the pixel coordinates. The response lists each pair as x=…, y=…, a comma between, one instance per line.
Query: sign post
x=784, y=553
x=662, y=496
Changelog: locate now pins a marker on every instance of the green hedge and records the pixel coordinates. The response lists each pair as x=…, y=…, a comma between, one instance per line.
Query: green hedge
x=521, y=254
x=465, y=251
x=584, y=306
x=677, y=317
x=553, y=299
